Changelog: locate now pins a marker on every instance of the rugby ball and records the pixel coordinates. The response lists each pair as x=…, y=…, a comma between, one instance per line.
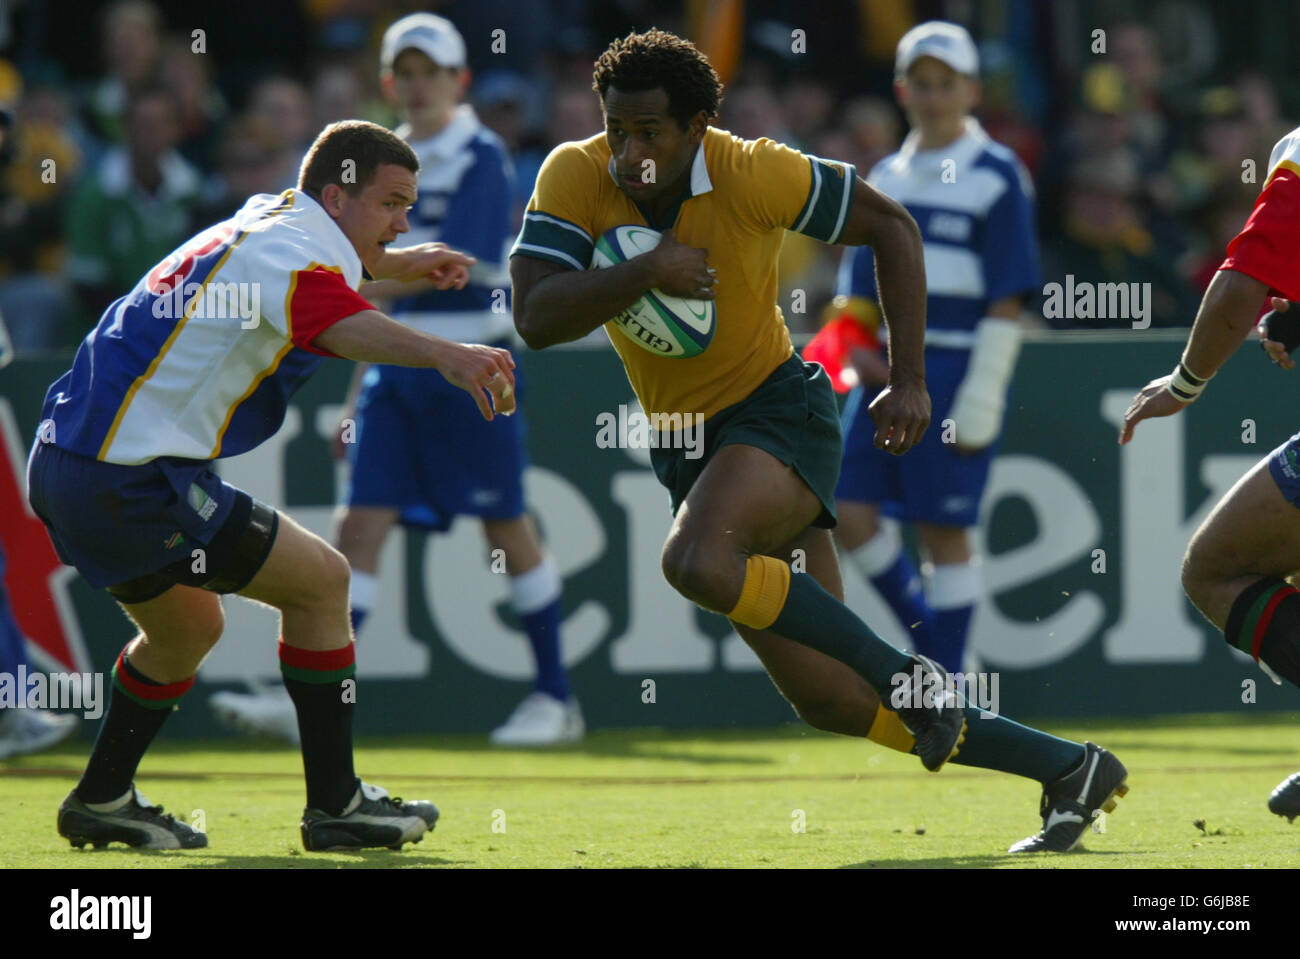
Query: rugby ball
x=667, y=326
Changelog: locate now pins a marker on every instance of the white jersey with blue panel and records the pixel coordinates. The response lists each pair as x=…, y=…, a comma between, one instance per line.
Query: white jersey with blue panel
x=200, y=359
x=463, y=199
x=974, y=203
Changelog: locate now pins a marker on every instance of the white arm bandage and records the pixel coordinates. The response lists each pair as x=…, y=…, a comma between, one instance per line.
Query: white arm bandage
x=981, y=398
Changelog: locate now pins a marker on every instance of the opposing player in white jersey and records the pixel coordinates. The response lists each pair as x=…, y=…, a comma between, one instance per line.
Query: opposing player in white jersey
x=973, y=201
x=198, y=362
x=402, y=471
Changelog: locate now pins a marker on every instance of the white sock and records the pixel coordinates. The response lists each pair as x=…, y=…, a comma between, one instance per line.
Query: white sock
x=878, y=553
x=362, y=593
x=954, y=585
x=537, y=588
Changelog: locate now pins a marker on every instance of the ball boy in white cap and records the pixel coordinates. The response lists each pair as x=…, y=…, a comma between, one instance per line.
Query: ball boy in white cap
x=973, y=201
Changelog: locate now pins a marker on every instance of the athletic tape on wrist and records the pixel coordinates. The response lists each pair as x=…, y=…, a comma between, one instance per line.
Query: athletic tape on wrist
x=1186, y=385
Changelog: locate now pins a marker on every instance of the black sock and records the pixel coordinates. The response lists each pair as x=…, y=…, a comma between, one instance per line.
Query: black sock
x=137, y=708
x=322, y=685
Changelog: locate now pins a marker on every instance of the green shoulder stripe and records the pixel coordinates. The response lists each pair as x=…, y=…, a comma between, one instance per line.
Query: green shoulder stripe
x=552, y=238
x=826, y=209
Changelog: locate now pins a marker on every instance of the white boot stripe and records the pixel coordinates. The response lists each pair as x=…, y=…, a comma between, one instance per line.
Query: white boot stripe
x=1087, y=780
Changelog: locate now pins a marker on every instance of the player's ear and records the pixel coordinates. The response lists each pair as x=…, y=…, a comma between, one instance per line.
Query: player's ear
x=388, y=85
x=695, y=129
x=974, y=91
x=331, y=198
x=466, y=78
x=901, y=92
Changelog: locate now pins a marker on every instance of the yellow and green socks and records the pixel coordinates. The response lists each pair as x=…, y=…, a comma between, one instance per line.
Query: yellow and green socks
x=795, y=605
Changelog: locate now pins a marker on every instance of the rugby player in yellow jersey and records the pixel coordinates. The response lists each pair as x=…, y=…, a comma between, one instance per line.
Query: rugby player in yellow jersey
x=765, y=484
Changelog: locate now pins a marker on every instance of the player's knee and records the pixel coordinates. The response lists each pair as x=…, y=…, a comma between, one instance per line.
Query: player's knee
x=698, y=573
x=335, y=572
x=203, y=628
x=680, y=566
x=946, y=545
x=868, y=527
x=858, y=525
x=1195, y=574
x=329, y=578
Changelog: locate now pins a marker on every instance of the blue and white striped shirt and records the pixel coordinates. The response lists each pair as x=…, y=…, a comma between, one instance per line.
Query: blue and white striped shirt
x=974, y=203
x=463, y=199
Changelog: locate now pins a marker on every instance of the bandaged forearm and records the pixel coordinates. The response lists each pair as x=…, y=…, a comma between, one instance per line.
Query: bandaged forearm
x=981, y=397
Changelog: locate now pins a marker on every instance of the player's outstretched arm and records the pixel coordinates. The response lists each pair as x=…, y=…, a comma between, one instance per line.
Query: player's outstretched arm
x=902, y=411
x=554, y=304
x=1226, y=315
x=438, y=263
x=372, y=337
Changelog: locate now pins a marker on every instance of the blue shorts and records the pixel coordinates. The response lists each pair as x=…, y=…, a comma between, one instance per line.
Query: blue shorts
x=1284, y=465
x=423, y=447
x=930, y=483
x=116, y=523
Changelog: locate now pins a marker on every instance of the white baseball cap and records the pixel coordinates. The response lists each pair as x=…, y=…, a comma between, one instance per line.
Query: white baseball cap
x=432, y=35
x=944, y=41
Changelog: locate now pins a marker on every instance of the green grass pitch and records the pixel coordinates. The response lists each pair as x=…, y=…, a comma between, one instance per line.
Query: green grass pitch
x=740, y=798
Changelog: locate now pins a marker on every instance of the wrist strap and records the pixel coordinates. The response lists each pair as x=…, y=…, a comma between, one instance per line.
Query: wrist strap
x=1186, y=385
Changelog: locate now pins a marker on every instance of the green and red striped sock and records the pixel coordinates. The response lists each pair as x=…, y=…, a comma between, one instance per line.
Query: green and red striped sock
x=322, y=685
x=137, y=709
x=1265, y=624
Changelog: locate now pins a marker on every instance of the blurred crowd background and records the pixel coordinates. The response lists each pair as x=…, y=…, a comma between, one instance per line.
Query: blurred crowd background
x=125, y=131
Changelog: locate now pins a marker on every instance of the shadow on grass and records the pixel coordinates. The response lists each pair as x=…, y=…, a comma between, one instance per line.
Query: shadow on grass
x=635, y=743
x=646, y=742
x=119, y=857
x=688, y=746
x=991, y=860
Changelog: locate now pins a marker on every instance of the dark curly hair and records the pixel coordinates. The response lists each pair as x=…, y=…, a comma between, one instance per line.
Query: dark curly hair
x=644, y=61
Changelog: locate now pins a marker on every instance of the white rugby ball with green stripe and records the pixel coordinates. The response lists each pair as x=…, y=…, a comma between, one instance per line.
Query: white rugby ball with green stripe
x=667, y=326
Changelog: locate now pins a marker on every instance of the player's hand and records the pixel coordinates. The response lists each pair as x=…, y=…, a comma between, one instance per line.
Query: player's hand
x=1276, y=351
x=440, y=264
x=901, y=413
x=1153, y=400
x=681, y=270
x=482, y=371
